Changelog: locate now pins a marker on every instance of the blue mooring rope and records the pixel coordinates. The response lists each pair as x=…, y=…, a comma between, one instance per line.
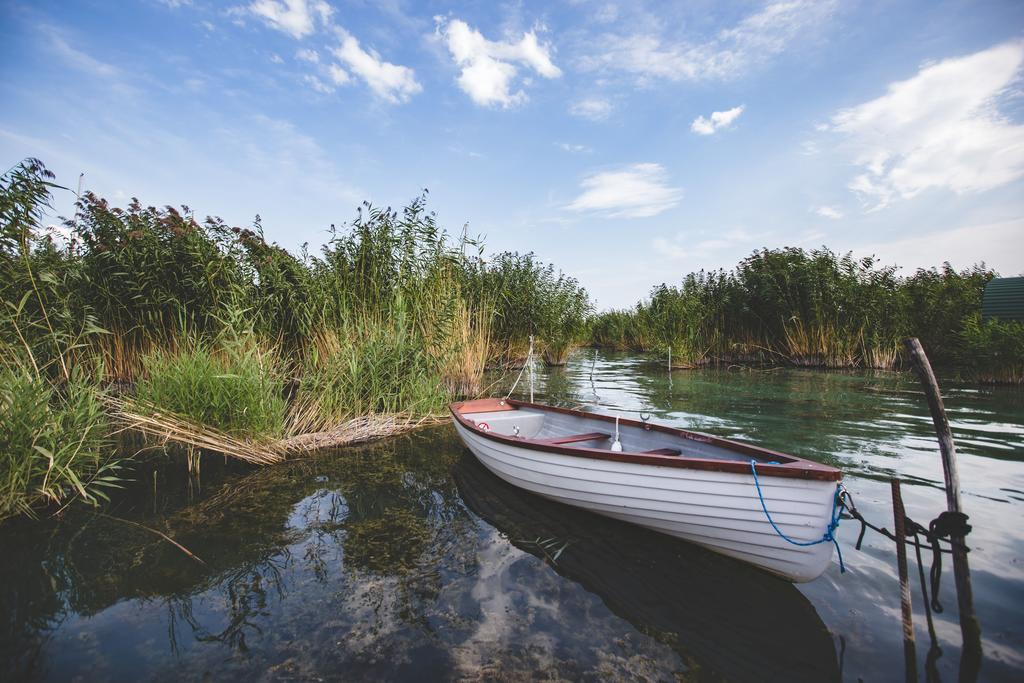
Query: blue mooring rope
x=837, y=511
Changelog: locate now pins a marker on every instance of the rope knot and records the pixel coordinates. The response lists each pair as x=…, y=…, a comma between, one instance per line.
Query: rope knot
x=948, y=524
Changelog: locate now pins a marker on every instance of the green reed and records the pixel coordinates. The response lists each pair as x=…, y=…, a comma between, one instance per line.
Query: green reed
x=225, y=330
x=810, y=308
x=534, y=299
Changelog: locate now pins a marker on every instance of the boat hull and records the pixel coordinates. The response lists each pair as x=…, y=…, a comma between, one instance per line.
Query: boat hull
x=719, y=510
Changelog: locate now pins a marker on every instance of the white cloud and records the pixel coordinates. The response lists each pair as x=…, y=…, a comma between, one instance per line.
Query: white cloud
x=391, y=82
x=1000, y=245
x=489, y=67
x=940, y=129
x=593, y=108
x=276, y=58
x=829, y=212
x=732, y=52
x=718, y=121
x=809, y=148
x=318, y=85
x=636, y=191
x=297, y=18
x=338, y=75
x=673, y=248
x=684, y=245
x=76, y=58
x=308, y=55
x=572, y=148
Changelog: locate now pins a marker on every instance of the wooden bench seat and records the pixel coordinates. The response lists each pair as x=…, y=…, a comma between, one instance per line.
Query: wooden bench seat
x=574, y=438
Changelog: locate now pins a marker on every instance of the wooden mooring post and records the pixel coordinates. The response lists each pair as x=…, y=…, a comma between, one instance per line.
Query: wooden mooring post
x=899, y=523
x=970, y=628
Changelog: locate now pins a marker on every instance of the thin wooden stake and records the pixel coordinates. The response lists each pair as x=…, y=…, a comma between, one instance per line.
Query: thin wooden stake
x=970, y=628
x=899, y=519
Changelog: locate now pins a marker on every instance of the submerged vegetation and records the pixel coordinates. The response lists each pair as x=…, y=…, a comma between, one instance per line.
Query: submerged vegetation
x=819, y=309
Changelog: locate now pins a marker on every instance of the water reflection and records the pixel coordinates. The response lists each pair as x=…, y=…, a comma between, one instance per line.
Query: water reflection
x=728, y=621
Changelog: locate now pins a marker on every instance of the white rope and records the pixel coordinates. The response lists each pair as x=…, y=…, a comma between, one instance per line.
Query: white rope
x=528, y=363
x=529, y=359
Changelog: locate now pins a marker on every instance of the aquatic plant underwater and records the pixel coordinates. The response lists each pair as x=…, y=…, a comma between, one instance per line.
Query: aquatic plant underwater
x=149, y=320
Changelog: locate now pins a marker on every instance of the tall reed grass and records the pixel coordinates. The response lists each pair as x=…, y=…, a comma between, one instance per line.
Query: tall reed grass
x=532, y=298
x=235, y=388
x=198, y=325
x=54, y=442
x=812, y=309
x=54, y=434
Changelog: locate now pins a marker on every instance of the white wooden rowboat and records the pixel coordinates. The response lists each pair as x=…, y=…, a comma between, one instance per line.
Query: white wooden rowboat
x=697, y=487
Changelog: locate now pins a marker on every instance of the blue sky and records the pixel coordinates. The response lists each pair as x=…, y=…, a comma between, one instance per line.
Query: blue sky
x=628, y=143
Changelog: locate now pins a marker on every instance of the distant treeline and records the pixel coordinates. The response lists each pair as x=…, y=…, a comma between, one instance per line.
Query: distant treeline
x=819, y=309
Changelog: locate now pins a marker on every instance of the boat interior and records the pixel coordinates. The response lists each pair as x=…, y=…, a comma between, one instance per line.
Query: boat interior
x=590, y=431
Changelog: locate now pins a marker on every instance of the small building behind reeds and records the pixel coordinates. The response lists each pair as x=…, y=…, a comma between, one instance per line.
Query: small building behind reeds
x=1004, y=300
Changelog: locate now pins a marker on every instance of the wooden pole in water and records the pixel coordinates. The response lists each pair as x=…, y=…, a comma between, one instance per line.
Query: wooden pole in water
x=970, y=628
x=899, y=518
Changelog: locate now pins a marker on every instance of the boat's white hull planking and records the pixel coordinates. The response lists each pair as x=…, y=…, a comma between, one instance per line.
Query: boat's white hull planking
x=718, y=510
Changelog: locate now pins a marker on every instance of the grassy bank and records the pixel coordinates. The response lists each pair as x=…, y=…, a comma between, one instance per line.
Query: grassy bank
x=207, y=334
x=819, y=309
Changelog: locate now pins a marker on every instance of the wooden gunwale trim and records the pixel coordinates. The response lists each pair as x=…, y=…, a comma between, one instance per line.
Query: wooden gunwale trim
x=789, y=466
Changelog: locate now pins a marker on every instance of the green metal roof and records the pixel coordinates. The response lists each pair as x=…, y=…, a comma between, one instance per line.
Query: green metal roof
x=1004, y=299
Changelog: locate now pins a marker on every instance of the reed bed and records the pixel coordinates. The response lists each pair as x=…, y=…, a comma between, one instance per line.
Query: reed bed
x=192, y=331
x=818, y=309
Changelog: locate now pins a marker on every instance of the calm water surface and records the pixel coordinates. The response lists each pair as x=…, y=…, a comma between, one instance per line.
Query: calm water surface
x=406, y=560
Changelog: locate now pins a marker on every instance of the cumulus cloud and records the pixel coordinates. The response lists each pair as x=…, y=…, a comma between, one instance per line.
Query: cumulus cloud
x=297, y=18
x=593, y=108
x=318, y=85
x=717, y=121
x=942, y=128
x=829, y=212
x=732, y=52
x=391, y=82
x=636, y=191
x=488, y=68
x=338, y=75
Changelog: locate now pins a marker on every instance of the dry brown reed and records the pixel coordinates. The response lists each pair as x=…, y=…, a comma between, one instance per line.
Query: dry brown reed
x=161, y=428
x=471, y=335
